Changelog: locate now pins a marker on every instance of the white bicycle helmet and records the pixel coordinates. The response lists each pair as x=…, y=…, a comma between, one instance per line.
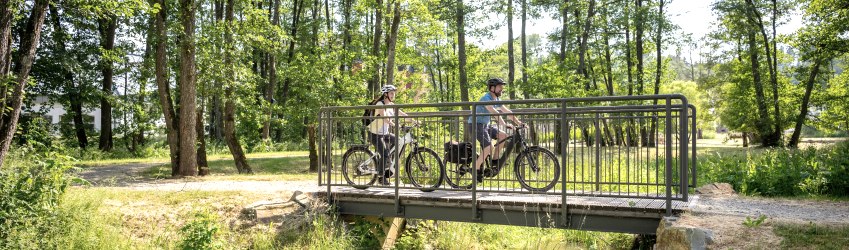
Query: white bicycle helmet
x=388, y=88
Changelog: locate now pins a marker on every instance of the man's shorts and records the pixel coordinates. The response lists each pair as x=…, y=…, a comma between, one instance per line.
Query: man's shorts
x=485, y=134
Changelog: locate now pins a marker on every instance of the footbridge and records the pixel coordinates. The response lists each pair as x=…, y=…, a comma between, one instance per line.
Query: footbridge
x=614, y=164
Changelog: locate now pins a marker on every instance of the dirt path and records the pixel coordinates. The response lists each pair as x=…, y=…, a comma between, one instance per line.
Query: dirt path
x=130, y=176
x=120, y=175
x=724, y=214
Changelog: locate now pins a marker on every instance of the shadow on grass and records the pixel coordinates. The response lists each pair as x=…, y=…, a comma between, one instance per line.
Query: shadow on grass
x=290, y=166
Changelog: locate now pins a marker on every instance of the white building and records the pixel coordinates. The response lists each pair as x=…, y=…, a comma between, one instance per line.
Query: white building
x=55, y=111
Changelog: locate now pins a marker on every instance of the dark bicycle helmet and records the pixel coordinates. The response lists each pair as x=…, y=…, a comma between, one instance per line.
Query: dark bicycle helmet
x=495, y=82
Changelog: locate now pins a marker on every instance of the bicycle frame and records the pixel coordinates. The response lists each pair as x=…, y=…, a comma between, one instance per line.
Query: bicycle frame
x=403, y=141
x=514, y=139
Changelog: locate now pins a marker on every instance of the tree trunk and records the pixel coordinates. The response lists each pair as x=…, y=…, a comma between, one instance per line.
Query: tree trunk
x=561, y=59
x=511, y=60
x=5, y=40
x=203, y=166
x=763, y=116
x=313, y=149
x=524, y=44
x=229, y=105
x=803, y=113
x=374, y=84
x=390, y=46
x=658, y=69
x=77, y=111
x=230, y=135
x=188, y=90
x=461, y=52
x=639, y=43
x=107, y=27
x=23, y=63
x=272, y=78
x=164, y=90
x=291, y=53
x=628, y=60
x=756, y=17
x=582, y=54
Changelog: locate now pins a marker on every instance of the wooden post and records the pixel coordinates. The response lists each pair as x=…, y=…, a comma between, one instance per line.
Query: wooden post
x=393, y=232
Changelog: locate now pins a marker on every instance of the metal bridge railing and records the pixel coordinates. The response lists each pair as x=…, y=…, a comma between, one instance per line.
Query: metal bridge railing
x=618, y=146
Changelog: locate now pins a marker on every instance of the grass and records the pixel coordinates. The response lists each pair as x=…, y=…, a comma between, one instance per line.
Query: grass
x=811, y=236
x=110, y=218
x=457, y=235
x=114, y=218
x=276, y=167
x=213, y=157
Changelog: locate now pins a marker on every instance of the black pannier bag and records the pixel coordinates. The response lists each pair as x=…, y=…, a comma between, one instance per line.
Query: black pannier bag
x=459, y=152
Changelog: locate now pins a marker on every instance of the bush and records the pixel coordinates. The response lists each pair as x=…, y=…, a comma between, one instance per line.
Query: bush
x=782, y=172
x=200, y=233
x=30, y=192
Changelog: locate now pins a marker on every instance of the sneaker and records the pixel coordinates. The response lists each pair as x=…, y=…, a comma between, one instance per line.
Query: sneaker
x=383, y=181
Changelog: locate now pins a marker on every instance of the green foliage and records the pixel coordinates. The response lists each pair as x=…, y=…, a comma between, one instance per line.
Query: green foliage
x=30, y=191
x=781, y=172
x=750, y=223
x=201, y=232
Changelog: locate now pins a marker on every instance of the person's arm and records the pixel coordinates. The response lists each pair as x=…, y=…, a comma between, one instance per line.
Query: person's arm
x=493, y=110
x=512, y=117
x=408, y=119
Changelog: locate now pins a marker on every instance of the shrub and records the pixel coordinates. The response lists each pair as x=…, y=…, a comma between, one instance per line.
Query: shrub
x=30, y=192
x=781, y=172
x=200, y=233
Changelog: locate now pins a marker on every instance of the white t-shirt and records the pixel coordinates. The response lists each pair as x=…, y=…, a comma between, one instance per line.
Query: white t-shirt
x=380, y=125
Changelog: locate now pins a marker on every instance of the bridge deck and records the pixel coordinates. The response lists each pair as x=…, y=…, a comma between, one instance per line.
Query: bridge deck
x=632, y=215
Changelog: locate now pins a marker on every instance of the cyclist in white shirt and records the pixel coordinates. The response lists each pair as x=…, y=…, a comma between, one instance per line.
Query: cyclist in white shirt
x=379, y=130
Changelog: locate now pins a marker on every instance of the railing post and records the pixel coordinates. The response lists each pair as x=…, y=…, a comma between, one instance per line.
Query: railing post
x=474, y=127
x=683, y=152
x=329, y=147
x=398, y=134
x=668, y=134
x=564, y=138
x=320, y=142
x=597, y=144
x=695, y=138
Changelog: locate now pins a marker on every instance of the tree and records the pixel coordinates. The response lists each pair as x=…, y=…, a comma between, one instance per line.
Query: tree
x=230, y=100
x=172, y=121
x=106, y=27
x=22, y=61
x=390, y=46
x=461, y=52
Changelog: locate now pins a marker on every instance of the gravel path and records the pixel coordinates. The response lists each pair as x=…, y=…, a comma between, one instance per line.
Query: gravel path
x=779, y=209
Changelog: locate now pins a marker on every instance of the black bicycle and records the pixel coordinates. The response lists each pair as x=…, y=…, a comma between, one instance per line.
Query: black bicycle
x=423, y=166
x=536, y=168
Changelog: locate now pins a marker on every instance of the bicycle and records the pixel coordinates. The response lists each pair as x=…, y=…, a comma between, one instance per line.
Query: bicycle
x=359, y=164
x=528, y=165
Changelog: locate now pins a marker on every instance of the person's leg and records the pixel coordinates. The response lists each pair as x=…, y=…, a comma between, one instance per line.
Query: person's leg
x=501, y=136
x=389, y=142
x=482, y=135
x=380, y=145
x=484, y=153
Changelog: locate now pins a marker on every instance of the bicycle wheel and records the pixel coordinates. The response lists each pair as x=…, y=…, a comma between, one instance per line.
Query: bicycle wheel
x=459, y=175
x=537, y=169
x=424, y=168
x=359, y=166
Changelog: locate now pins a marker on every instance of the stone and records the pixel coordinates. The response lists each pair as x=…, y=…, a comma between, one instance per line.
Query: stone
x=671, y=236
x=716, y=189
